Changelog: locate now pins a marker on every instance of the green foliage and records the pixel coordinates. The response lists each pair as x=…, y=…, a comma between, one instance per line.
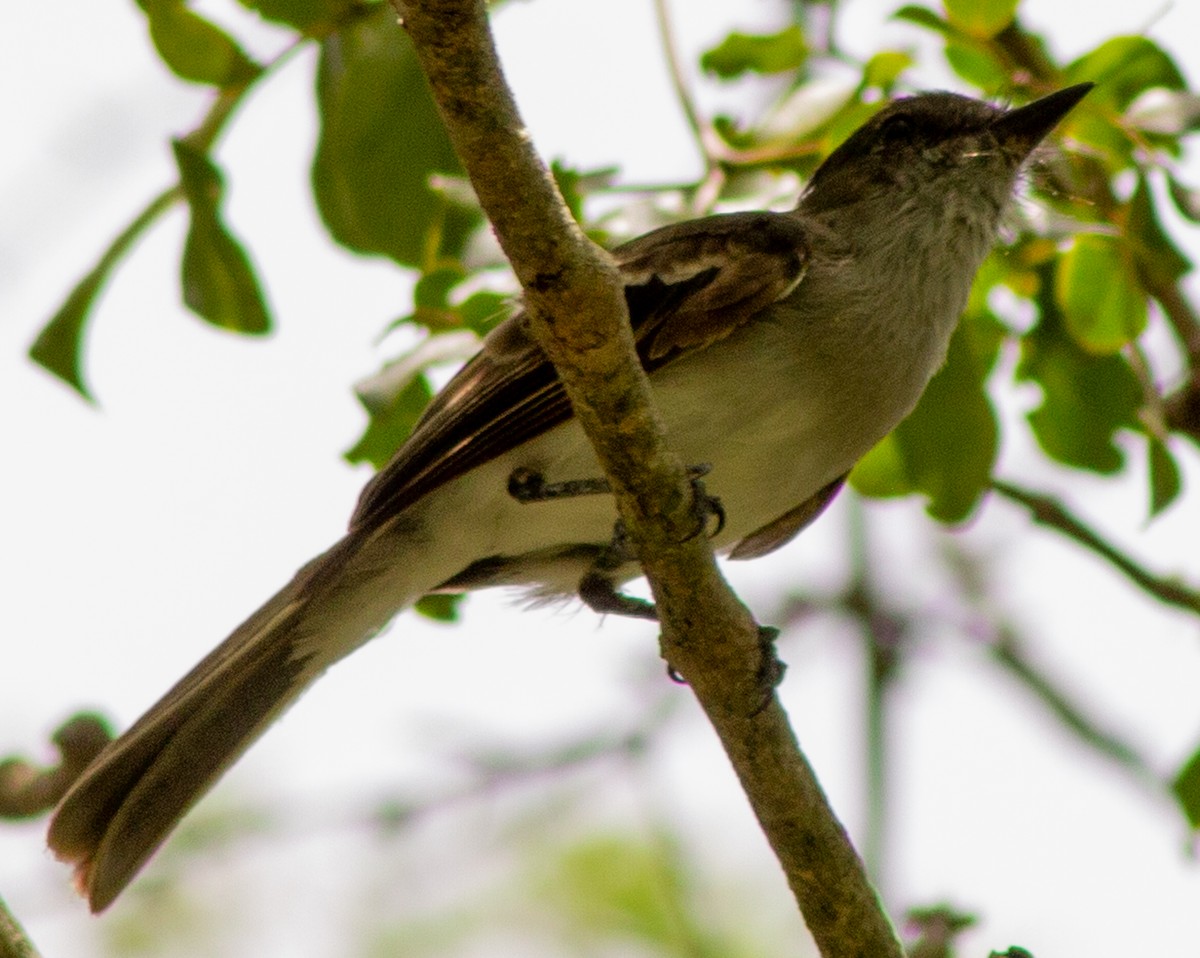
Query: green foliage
x=953, y=422
x=1086, y=397
x=481, y=312
x=439, y=607
x=1097, y=289
x=976, y=64
x=967, y=33
x=59, y=347
x=219, y=284
x=1124, y=67
x=883, y=69
x=1165, y=480
x=981, y=18
x=1097, y=269
x=384, y=178
x=1186, y=788
x=393, y=414
x=312, y=17
x=636, y=894
x=1185, y=198
x=194, y=48
x=1158, y=259
x=381, y=141
x=396, y=397
x=741, y=53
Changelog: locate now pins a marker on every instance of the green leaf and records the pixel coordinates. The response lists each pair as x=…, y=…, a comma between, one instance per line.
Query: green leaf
x=1165, y=482
x=1186, y=787
x=623, y=887
x=845, y=121
x=948, y=443
x=880, y=474
x=741, y=53
x=483, y=311
x=1092, y=127
x=946, y=447
x=1185, y=198
x=1124, y=67
x=1085, y=398
x=1099, y=294
x=219, y=284
x=884, y=69
x=924, y=17
x=440, y=607
x=381, y=140
x=981, y=18
x=977, y=64
x=194, y=48
x=569, y=182
x=1157, y=257
x=59, y=346
x=433, y=289
x=431, y=301
x=435, y=309
x=393, y=417
x=312, y=17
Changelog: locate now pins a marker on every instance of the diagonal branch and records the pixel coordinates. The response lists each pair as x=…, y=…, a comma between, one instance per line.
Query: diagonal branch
x=1049, y=512
x=576, y=304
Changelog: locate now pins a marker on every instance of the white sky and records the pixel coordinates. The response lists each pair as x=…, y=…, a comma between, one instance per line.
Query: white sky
x=136, y=535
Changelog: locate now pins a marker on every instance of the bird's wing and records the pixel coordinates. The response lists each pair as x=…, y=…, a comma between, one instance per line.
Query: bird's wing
x=687, y=286
x=783, y=530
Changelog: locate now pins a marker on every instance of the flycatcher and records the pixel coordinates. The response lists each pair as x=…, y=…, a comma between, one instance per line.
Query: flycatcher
x=780, y=347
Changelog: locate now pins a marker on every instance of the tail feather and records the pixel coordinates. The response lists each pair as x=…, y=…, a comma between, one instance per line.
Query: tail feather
x=128, y=801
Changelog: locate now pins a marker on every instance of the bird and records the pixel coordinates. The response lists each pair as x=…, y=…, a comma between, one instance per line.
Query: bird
x=780, y=348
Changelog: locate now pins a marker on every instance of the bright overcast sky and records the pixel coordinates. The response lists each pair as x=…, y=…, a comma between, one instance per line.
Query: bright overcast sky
x=136, y=535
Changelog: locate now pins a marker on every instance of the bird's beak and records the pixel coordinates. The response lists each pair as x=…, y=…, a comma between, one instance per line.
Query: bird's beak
x=1022, y=129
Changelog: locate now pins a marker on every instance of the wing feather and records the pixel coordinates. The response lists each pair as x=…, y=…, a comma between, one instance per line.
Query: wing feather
x=687, y=286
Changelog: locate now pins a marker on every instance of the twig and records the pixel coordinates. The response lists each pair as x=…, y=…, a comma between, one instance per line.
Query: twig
x=576, y=306
x=1181, y=409
x=1051, y=513
x=1182, y=316
x=203, y=136
x=883, y=632
x=14, y=943
x=1006, y=650
x=991, y=629
x=666, y=34
x=706, y=139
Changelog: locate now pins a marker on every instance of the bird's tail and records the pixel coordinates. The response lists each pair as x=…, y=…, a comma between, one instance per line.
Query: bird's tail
x=130, y=798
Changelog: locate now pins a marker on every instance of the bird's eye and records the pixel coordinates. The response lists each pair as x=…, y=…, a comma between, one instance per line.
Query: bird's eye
x=897, y=128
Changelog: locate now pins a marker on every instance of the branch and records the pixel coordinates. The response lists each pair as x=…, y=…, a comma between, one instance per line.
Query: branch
x=1181, y=409
x=575, y=300
x=706, y=139
x=1049, y=512
x=1182, y=316
x=1006, y=650
x=14, y=943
